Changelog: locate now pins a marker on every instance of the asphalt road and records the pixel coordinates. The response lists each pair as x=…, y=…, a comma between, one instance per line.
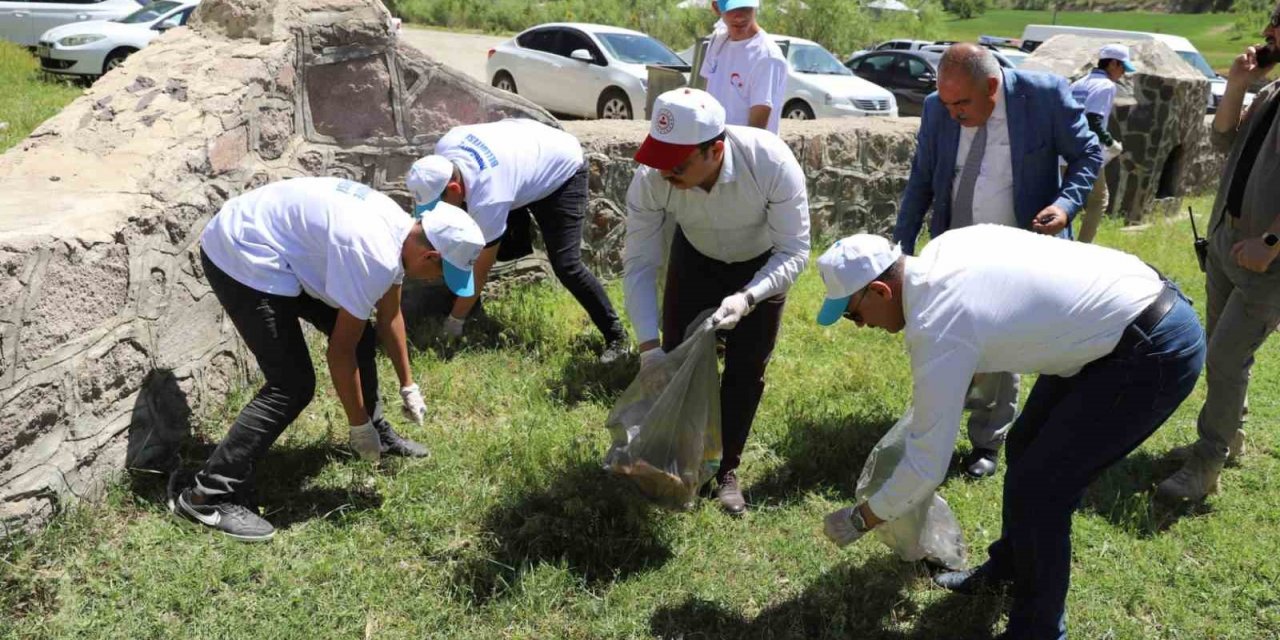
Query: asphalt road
x=465, y=52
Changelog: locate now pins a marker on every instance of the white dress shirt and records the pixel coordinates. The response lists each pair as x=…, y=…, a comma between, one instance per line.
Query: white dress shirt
x=993, y=191
x=989, y=299
x=758, y=203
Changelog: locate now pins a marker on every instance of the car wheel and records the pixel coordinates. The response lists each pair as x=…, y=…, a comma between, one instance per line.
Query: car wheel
x=115, y=59
x=797, y=110
x=614, y=105
x=503, y=81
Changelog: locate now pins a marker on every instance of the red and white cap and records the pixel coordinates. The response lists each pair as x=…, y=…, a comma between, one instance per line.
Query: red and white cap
x=682, y=119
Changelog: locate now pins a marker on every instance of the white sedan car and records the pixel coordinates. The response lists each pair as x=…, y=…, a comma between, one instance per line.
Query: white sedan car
x=818, y=86
x=23, y=22
x=584, y=70
x=94, y=48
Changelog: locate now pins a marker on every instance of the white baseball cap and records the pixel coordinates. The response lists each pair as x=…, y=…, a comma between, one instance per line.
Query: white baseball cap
x=682, y=119
x=730, y=5
x=426, y=181
x=459, y=240
x=848, y=266
x=1117, y=52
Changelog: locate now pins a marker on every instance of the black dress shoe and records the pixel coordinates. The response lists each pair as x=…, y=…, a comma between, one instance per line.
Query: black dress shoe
x=978, y=581
x=730, y=495
x=980, y=463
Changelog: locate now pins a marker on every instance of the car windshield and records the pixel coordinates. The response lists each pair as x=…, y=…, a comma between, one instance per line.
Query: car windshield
x=638, y=49
x=151, y=12
x=808, y=58
x=1196, y=60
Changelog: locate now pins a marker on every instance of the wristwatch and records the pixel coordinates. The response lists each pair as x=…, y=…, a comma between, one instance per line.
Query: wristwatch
x=859, y=523
x=1270, y=239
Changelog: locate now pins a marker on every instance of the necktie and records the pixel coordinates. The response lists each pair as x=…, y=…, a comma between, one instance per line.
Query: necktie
x=962, y=207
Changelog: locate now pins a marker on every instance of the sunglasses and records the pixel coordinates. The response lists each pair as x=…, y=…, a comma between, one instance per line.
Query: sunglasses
x=850, y=312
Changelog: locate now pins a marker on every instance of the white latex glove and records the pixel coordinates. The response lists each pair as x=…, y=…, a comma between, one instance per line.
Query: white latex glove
x=731, y=311
x=413, y=406
x=838, y=527
x=652, y=357
x=453, y=327
x=1112, y=151
x=364, y=441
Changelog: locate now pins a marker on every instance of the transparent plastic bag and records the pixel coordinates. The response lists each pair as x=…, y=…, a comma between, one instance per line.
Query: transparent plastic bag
x=666, y=425
x=929, y=530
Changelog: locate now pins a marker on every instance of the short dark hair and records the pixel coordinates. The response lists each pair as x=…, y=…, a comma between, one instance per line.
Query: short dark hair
x=1106, y=62
x=703, y=147
x=893, y=272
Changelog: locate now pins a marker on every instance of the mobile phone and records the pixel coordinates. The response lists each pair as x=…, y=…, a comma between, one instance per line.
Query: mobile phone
x=1268, y=54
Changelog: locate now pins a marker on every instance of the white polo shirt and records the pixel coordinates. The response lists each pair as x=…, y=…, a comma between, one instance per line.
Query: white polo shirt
x=509, y=164
x=746, y=73
x=993, y=191
x=989, y=299
x=759, y=203
x=1096, y=92
x=337, y=240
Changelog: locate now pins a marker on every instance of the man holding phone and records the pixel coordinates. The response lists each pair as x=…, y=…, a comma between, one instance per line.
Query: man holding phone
x=1242, y=275
x=987, y=153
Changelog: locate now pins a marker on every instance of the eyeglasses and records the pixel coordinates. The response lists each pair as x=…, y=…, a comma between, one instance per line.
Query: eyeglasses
x=849, y=312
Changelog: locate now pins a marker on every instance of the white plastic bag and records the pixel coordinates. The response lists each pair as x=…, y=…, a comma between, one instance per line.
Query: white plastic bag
x=929, y=531
x=666, y=425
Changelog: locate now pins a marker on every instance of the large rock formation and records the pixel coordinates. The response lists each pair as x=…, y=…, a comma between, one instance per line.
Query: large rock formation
x=1159, y=118
x=109, y=338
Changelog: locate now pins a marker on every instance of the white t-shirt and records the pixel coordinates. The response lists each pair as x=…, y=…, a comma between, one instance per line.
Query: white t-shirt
x=337, y=240
x=746, y=73
x=1096, y=92
x=509, y=164
x=989, y=299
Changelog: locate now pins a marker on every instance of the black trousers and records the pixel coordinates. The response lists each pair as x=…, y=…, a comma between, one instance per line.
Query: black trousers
x=560, y=217
x=269, y=325
x=696, y=283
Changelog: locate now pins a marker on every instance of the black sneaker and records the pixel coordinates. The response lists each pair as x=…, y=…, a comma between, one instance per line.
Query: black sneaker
x=615, y=350
x=978, y=581
x=394, y=444
x=981, y=463
x=231, y=519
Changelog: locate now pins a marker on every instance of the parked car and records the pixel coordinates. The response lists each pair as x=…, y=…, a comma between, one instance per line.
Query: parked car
x=96, y=47
x=818, y=86
x=584, y=70
x=1002, y=55
x=910, y=75
x=902, y=45
x=23, y=22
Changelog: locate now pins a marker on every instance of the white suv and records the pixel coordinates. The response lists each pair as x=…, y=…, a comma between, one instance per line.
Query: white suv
x=23, y=22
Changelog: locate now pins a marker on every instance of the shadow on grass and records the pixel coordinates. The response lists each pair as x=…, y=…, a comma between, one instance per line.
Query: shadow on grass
x=590, y=523
x=1123, y=496
x=584, y=378
x=281, y=486
x=850, y=601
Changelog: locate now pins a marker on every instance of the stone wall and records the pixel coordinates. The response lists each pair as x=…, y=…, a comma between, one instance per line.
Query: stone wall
x=1158, y=117
x=109, y=338
x=856, y=169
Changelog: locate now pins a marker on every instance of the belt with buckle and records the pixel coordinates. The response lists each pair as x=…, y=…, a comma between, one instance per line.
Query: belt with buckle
x=1146, y=321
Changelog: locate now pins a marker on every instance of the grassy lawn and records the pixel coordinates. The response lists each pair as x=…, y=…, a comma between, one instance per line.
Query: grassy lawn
x=1211, y=33
x=511, y=529
x=27, y=99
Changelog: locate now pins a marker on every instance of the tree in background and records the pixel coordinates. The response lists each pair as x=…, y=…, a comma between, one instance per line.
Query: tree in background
x=965, y=9
x=1250, y=16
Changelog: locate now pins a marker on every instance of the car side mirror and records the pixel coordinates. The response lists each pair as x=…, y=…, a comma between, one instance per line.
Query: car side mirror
x=928, y=77
x=582, y=55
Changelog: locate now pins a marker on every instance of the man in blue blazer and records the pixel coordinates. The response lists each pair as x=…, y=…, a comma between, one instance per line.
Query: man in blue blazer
x=1022, y=122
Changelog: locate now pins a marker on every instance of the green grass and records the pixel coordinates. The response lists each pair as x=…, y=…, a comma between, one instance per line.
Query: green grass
x=27, y=98
x=511, y=529
x=1211, y=33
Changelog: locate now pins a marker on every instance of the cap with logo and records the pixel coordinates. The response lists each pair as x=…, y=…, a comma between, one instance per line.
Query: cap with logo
x=848, y=266
x=682, y=119
x=426, y=181
x=459, y=240
x=1117, y=52
x=730, y=5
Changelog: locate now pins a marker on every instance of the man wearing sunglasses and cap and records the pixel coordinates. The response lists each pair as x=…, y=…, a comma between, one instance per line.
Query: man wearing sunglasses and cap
x=1097, y=92
x=1117, y=347
x=332, y=252
x=501, y=173
x=737, y=198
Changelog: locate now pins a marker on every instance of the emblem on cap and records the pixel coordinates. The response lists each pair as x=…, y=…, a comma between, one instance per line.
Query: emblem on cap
x=665, y=122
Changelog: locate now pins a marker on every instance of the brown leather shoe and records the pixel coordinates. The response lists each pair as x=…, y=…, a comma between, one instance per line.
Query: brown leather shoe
x=730, y=495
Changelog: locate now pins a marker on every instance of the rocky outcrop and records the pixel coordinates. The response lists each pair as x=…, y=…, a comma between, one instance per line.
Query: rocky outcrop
x=1159, y=118
x=110, y=340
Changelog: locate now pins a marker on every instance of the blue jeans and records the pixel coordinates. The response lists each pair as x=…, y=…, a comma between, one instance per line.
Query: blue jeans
x=1070, y=431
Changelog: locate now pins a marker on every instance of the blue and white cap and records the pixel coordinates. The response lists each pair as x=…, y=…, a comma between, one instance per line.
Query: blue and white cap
x=1118, y=52
x=426, y=181
x=848, y=266
x=459, y=240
